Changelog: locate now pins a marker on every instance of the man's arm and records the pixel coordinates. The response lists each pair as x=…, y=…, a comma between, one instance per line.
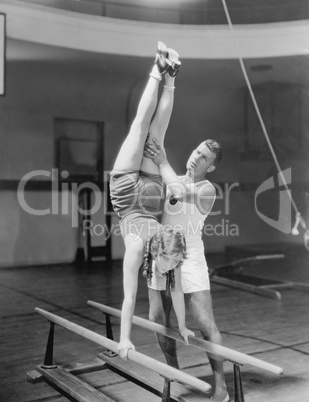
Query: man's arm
x=203, y=196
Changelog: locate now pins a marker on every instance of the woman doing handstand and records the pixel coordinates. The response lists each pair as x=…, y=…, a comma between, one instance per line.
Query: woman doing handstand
x=136, y=194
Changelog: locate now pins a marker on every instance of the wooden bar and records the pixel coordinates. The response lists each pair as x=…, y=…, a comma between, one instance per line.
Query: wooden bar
x=33, y=376
x=154, y=383
x=301, y=286
x=238, y=262
x=161, y=368
x=272, y=294
x=126, y=367
x=72, y=385
x=222, y=351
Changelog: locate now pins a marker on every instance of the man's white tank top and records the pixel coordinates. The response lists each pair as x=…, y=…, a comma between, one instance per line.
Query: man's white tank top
x=185, y=216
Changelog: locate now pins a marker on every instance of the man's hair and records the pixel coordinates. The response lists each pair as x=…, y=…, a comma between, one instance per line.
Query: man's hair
x=215, y=147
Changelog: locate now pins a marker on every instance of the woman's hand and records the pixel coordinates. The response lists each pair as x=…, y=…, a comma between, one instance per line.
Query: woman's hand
x=123, y=348
x=185, y=332
x=155, y=152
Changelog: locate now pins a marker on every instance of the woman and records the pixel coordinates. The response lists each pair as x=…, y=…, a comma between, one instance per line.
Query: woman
x=136, y=194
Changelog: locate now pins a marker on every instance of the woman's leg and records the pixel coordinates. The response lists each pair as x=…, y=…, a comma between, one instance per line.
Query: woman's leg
x=131, y=153
x=162, y=117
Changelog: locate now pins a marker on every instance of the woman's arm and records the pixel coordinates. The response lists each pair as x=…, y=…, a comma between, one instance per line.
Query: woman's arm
x=132, y=261
x=179, y=306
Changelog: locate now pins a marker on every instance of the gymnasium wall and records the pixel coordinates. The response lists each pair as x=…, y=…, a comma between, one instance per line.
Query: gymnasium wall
x=38, y=92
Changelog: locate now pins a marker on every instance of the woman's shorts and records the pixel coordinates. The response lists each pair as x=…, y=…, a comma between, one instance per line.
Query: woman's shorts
x=136, y=192
x=141, y=225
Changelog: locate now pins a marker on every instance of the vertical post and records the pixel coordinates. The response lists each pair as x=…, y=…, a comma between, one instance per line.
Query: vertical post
x=48, y=360
x=109, y=335
x=166, y=396
x=238, y=391
x=108, y=247
x=88, y=217
x=108, y=216
x=109, y=329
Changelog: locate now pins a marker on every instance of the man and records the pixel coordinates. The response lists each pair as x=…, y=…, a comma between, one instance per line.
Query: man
x=189, y=200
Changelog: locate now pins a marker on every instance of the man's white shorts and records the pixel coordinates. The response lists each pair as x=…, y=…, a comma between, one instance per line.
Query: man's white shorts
x=194, y=271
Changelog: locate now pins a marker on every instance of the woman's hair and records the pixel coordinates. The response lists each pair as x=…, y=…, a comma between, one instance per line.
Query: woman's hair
x=164, y=241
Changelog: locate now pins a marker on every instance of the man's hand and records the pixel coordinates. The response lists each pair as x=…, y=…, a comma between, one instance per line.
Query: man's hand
x=155, y=152
x=123, y=348
x=185, y=332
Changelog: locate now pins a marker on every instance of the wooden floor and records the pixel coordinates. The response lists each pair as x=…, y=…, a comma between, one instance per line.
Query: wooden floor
x=272, y=330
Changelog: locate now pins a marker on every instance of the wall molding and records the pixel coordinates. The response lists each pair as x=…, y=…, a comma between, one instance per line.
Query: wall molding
x=71, y=30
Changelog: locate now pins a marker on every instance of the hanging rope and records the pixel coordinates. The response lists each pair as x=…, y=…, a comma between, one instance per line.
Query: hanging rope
x=299, y=220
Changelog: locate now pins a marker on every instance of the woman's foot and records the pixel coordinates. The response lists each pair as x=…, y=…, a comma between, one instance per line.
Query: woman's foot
x=221, y=398
x=173, y=57
x=161, y=59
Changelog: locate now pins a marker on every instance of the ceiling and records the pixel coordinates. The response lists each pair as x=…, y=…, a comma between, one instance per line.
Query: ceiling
x=205, y=12
x=216, y=73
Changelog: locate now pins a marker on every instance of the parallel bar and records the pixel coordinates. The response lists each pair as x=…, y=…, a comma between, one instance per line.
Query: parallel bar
x=272, y=294
x=301, y=286
x=249, y=259
x=222, y=351
x=269, y=256
x=161, y=368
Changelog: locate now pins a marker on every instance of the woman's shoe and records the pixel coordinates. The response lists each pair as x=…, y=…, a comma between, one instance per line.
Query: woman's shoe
x=161, y=59
x=173, y=57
